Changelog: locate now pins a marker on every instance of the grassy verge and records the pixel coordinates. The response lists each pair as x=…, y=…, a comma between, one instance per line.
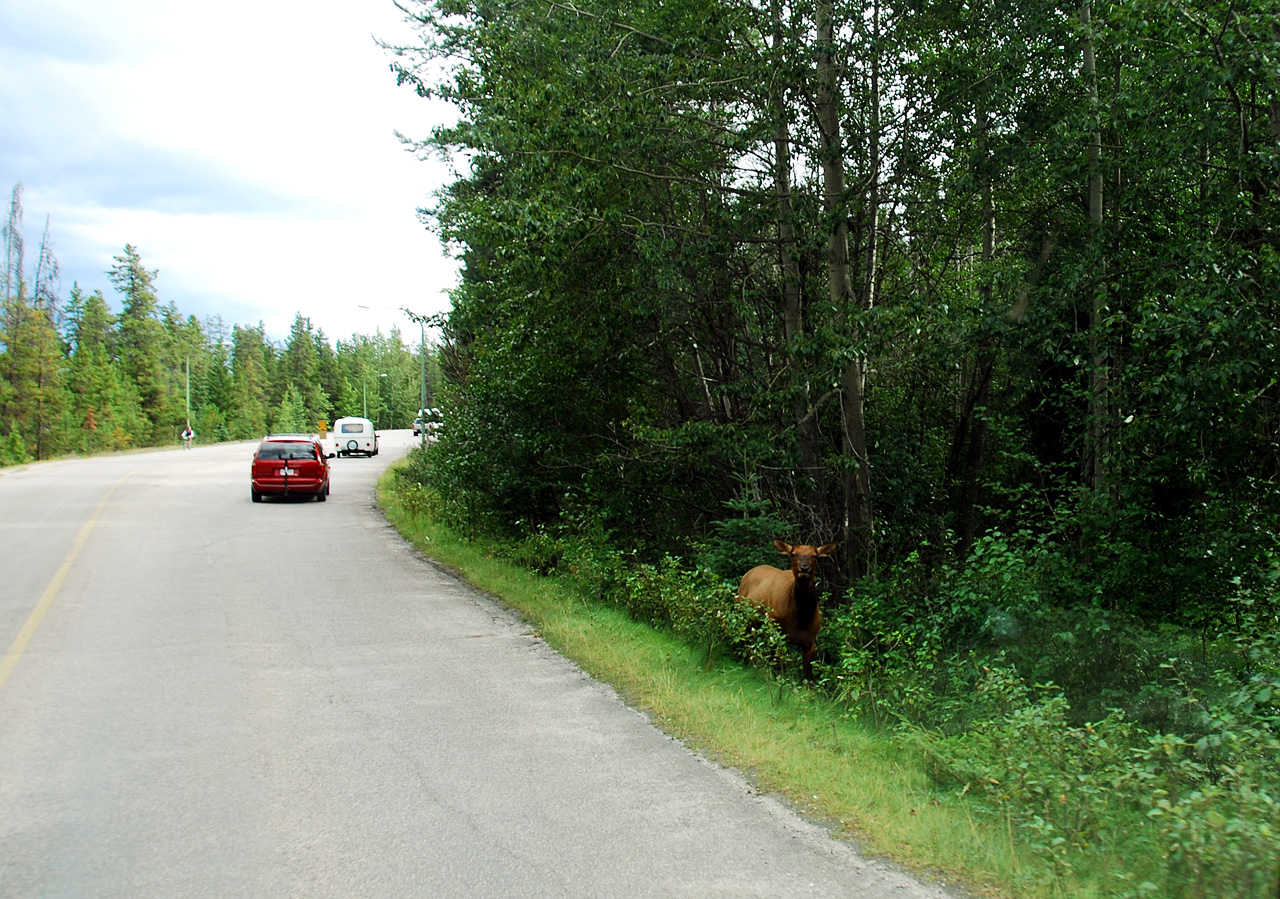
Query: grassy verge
x=860, y=781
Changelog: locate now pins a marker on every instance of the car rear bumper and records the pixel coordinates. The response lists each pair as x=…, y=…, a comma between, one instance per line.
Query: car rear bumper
x=283, y=487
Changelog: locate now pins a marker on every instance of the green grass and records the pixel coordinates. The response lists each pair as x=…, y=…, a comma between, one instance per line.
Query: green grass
x=790, y=741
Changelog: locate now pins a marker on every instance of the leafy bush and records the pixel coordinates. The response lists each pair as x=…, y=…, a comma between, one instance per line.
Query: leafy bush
x=705, y=610
x=880, y=657
x=1215, y=801
x=1028, y=762
x=1106, y=793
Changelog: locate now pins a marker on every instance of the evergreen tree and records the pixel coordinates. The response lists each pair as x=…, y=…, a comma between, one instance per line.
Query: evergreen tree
x=299, y=370
x=252, y=364
x=31, y=367
x=216, y=380
x=327, y=373
x=100, y=405
x=142, y=341
x=290, y=417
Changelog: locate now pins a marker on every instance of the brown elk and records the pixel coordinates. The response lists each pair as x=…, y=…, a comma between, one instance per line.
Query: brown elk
x=790, y=597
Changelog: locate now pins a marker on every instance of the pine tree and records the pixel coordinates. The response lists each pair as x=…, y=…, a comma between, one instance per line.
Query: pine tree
x=252, y=362
x=31, y=366
x=300, y=371
x=94, y=384
x=290, y=416
x=141, y=338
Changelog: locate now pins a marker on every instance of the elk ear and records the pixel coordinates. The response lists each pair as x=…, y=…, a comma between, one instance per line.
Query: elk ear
x=783, y=547
x=828, y=550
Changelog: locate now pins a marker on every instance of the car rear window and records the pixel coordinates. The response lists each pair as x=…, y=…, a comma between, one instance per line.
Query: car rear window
x=356, y=428
x=287, y=451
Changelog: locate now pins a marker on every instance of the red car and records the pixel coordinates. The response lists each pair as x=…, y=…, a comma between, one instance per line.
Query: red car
x=289, y=465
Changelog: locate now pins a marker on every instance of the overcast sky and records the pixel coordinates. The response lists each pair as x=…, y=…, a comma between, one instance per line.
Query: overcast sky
x=246, y=148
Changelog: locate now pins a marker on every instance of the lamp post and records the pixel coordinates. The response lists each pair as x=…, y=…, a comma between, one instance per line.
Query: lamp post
x=422, y=352
x=422, y=402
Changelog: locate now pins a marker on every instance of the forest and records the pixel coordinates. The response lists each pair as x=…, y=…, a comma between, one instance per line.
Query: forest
x=78, y=378
x=985, y=293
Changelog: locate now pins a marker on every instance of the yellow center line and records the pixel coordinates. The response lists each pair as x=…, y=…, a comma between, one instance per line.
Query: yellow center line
x=37, y=614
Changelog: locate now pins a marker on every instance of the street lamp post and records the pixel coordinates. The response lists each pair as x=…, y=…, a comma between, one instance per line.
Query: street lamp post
x=422, y=405
x=422, y=348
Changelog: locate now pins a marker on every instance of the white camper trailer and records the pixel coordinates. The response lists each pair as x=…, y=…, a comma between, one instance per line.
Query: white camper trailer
x=352, y=436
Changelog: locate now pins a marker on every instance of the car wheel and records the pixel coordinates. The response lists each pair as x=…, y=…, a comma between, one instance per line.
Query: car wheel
x=255, y=496
x=322, y=495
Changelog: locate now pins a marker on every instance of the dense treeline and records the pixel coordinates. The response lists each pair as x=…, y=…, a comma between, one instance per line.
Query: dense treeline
x=903, y=276
x=76, y=377
x=987, y=293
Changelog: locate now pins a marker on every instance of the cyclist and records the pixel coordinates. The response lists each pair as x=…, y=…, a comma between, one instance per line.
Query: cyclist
x=188, y=436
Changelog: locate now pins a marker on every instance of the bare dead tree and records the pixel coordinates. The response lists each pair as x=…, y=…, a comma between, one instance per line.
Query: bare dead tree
x=48, y=274
x=13, y=249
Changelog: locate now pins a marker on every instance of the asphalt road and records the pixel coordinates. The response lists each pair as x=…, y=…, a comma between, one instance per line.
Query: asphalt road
x=201, y=696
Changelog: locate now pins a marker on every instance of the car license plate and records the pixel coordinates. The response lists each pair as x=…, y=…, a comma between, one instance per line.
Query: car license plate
x=288, y=471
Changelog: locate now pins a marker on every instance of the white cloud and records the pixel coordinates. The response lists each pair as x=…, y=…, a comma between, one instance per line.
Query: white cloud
x=245, y=148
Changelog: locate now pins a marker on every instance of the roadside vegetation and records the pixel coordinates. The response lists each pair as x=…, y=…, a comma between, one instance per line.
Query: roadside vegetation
x=952, y=763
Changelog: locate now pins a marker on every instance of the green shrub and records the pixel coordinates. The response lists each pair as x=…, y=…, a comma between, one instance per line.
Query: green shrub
x=13, y=450
x=1028, y=762
x=741, y=543
x=1181, y=817
x=705, y=610
x=1215, y=800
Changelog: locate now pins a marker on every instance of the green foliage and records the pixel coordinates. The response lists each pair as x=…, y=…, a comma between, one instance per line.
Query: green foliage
x=13, y=450
x=694, y=603
x=645, y=321
x=1186, y=817
x=741, y=543
x=1023, y=757
x=703, y=609
x=290, y=417
x=1215, y=801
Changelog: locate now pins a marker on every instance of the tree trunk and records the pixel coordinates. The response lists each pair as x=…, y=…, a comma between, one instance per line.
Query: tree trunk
x=810, y=486
x=975, y=427
x=856, y=525
x=1095, y=469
